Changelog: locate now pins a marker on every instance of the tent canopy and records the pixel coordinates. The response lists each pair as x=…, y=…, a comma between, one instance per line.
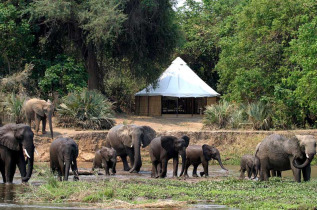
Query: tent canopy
x=178, y=80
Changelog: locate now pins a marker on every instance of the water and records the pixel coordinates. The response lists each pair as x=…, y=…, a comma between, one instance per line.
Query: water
x=7, y=191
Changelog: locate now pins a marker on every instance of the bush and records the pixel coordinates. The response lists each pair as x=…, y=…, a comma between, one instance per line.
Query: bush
x=13, y=105
x=85, y=109
x=259, y=115
x=223, y=115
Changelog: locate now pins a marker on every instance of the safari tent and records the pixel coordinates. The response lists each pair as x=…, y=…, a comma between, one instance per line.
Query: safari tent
x=178, y=91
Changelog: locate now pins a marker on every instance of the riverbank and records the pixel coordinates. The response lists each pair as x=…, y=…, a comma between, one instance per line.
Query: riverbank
x=176, y=193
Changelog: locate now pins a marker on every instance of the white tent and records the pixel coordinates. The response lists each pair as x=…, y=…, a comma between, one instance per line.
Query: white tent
x=178, y=80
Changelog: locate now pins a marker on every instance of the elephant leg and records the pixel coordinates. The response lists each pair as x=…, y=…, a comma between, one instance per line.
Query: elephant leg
x=125, y=163
x=37, y=123
x=186, y=168
x=10, y=167
x=249, y=172
x=43, y=125
x=61, y=169
x=113, y=169
x=205, y=166
x=306, y=173
x=278, y=173
x=195, y=170
x=3, y=173
x=131, y=156
x=242, y=173
x=264, y=172
x=163, y=168
x=154, y=169
x=106, y=167
x=175, y=166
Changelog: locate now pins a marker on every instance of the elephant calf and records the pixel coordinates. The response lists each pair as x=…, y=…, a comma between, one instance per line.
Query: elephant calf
x=105, y=158
x=196, y=155
x=251, y=164
x=63, y=155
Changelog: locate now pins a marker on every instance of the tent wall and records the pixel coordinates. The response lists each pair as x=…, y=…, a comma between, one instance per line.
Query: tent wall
x=148, y=105
x=211, y=100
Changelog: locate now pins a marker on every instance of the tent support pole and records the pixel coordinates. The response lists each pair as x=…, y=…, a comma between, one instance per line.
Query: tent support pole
x=192, y=107
x=177, y=107
x=148, y=106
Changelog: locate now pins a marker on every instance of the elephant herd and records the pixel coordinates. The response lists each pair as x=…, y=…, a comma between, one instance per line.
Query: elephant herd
x=276, y=153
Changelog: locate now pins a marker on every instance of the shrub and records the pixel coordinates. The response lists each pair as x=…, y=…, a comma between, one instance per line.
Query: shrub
x=13, y=105
x=223, y=115
x=85, y=109
x=259, y=115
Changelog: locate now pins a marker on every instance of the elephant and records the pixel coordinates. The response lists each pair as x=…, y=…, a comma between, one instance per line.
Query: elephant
x=251, y=164
x=126, y=140
x=63, y=155
x=196, y=154
x=164, y=148
x=14, y=140
x=38, y=110
x=278, y=153
x=105, y=158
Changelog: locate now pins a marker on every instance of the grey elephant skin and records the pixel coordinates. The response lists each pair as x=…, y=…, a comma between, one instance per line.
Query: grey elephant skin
x=197, y=154
x=63, y=156
x=14, y=139
x=127, y=140
x=164, y=148
x=39, y=110
x=278, y=153
x=251, y=164
x=105, y=158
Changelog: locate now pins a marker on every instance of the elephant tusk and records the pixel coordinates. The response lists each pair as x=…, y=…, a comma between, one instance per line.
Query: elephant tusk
x=131, y=145
x=26, y=153
x=36, y=152
x=307, y=155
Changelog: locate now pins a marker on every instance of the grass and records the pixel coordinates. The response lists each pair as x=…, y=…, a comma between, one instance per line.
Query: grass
x=139, y=192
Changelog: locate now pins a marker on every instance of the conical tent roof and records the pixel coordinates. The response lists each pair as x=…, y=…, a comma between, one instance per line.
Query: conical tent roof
x=178, y=80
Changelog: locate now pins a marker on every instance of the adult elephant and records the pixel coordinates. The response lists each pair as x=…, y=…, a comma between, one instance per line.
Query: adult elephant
x=63, y=155
x=279, y=153
x=127, y=140
x=164, y=148
x=196, y=155
x=14, y=139
x=39, y=110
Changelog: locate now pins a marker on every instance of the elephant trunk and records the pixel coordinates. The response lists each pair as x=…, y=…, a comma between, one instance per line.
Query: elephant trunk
x=306, y=163
x=137, y=158
x=220, y=163
x=67, y=167
x=30, y=162
x=183, y=155
x=50, y=124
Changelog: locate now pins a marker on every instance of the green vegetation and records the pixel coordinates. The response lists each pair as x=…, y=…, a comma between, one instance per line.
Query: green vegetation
x=275, y=194
x=13, y=105
x=85, y=109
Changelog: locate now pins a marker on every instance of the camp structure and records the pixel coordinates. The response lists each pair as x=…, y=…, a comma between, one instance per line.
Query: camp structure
x=177, y=91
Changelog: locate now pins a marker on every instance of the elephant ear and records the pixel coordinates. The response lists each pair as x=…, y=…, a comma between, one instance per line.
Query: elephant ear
x=38, y=108
x=167, y=142
x=124, y=134
x=148, y=135
x=8, y=139
x=105, y=153
x=206, y=152
x=186, y=139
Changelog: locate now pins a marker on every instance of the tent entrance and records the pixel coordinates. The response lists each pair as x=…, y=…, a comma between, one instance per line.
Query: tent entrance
x=174, y=105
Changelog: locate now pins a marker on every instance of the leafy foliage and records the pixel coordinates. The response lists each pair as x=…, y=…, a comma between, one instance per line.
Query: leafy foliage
x=85, y=109
x=259, y=113
x=64, y=77
x=13, y=106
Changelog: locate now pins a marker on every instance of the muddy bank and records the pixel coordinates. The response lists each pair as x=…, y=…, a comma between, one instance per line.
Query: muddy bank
x=232, y=144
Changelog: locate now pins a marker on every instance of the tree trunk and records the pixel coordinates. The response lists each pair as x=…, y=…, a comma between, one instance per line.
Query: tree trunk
x=95, y=73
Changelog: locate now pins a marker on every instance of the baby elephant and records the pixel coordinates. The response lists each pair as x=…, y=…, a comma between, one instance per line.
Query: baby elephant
x=63, y=155
x=196, y=155
x=106, y=158
x=251, y=164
